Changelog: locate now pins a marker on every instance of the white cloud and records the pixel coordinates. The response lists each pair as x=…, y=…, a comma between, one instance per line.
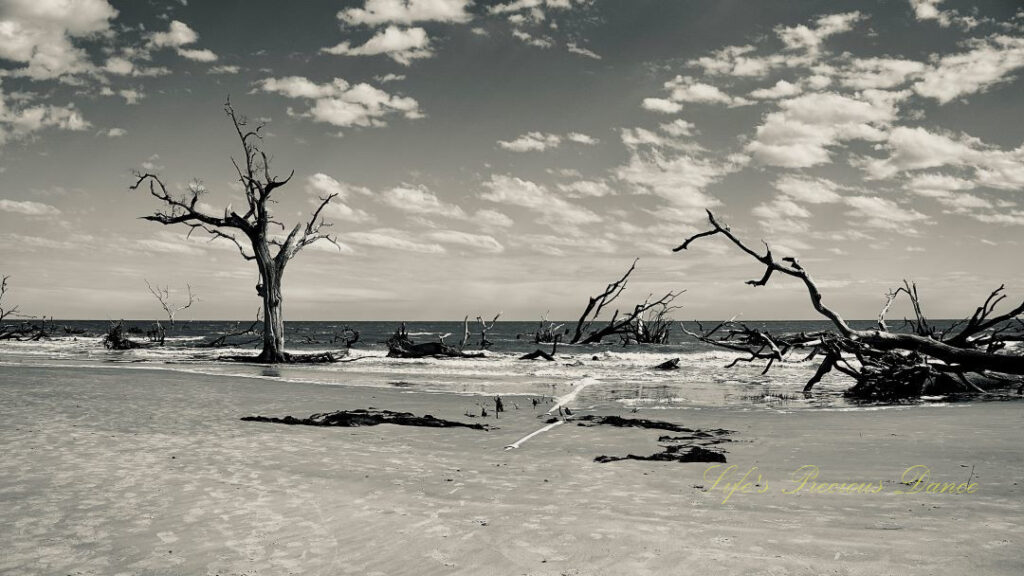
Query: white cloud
x=28, y=208
x=40, y=34
x=224, y=69
x=492, y=218
x=988, y=63
x=532, y=142
x=801, y=133
x=321, y=184
x=807, y=189
x=586, y=189
x=392, y=239
x=131, y=96
x=199, y=55
x=929, y=10
x=918, y=149
x=781, y=89
x=802, y=37
x=22, y=122
x=865, y=73
x=480, y=242
x=401, y=45
x=579, y=138
x=375, y=12
x=115, y=133
x=937, y=185
x=883, y=213
x=342, y=104
x=420, y=201
x=177, y=36
x=577, y=49
x=555, y=211
x=737, y=61
x=661, y=105
x=688, y=89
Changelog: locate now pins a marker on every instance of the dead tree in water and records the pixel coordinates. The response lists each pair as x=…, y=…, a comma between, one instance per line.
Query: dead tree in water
x=253, y=227
x=29, y=328
x=623, y=326
x=163, y=296
x=546, y=331
x=400, y=345
x=885, y=365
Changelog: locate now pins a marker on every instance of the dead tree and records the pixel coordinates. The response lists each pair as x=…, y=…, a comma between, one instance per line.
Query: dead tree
x=618, y=325
x=546, y=331
x=5, y=312
x=252, y=229
x=885, y=364
x=29, y=328
x=163, y=296
x=538, y=353
x=486, y=327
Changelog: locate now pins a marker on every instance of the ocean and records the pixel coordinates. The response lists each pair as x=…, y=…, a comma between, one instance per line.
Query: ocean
x=599, y=373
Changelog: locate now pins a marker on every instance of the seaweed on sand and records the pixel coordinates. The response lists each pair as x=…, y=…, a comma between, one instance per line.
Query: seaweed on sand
x=353, y=418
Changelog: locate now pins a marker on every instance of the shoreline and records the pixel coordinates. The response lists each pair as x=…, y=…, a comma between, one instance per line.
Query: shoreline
x=151, y=472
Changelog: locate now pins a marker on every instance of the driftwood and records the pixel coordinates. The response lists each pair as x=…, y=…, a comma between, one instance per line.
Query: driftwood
x=252, y=230
x=117, y=338
x=357, y=418
x=672, y=364
x=546, y=331
x=400, y=345
x=629, y=326
x=885, y=365
x=538, y=353
x=693, y=447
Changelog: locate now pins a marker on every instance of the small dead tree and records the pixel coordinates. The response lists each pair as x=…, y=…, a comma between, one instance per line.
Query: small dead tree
x=5, y=311
x=253, y=227
x=546, y=331
x=623, y=325
x=885, y=365
x=163, y=296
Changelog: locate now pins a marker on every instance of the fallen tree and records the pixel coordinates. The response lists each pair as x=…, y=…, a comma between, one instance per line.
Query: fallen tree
x=629, y=326
x=968, y=356
x=400, y=345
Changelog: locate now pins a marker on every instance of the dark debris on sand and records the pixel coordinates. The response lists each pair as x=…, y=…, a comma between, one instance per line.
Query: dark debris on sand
x=693, y=447
x=353, y=418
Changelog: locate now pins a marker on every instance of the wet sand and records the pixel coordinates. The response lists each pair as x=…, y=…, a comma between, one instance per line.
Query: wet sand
x=136, y=471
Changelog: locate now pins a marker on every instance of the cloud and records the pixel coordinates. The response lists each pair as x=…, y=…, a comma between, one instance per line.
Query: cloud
x=28, y=208
x=688, y=89
x=883, y=213
x=988, y=63
x=541, y=141
x=865, y=73
x=661, y=105
x=342, y=104
x=40, y=34
x=22, y=122
x=737, y=61
x=576, y=49
x=555, y=211
x=917, y=148
x=391, y=239
x=321, y=184
x=478, y=242
x=532, y=142
x=584, y=139
x=781, y=89
x=375, y=12
x=401, y=45
x=198, y=55
x=802, y=37
x=937, y=185
x=801, y=133
x=492, y=218
x=177, y=36
x=131, y=96
x=587, y=189
x=120, y=66
x=115, y=133
x=807, y=189
x=929, y=10
x=224, y=69
x=420, y=201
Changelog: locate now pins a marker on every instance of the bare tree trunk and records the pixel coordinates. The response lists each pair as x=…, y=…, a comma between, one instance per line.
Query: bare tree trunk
x=273, y=313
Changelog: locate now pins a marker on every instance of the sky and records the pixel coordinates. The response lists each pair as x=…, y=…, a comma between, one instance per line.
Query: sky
x=517, y=155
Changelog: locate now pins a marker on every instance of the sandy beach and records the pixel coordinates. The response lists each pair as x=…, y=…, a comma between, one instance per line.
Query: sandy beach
x=140, y=471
